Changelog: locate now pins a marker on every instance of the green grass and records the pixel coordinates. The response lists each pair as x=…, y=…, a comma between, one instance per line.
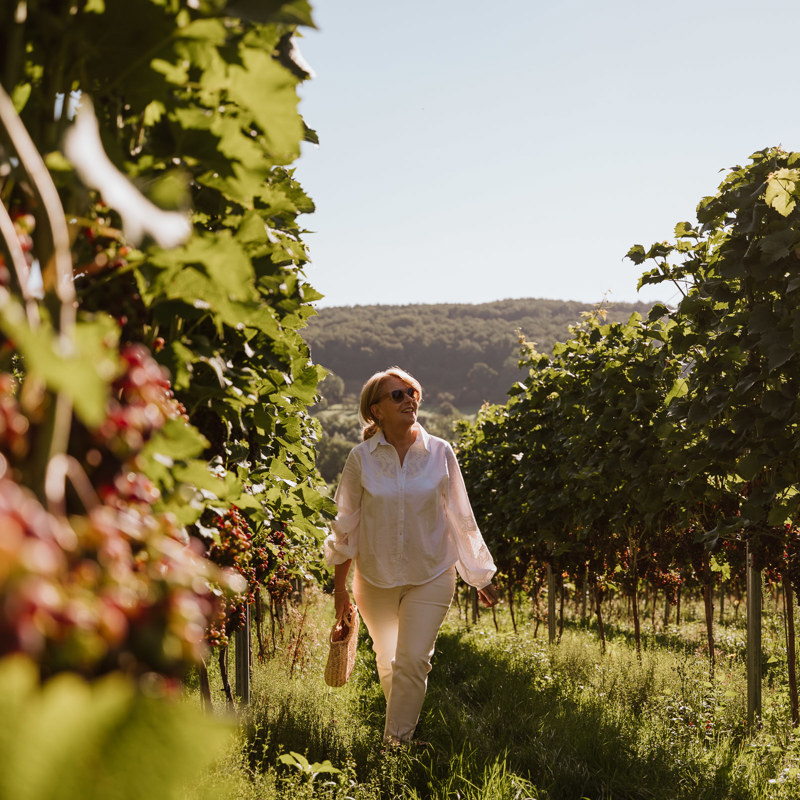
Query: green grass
x=509, y=716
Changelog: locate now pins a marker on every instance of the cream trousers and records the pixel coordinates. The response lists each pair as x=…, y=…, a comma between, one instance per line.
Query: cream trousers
x=404, y=622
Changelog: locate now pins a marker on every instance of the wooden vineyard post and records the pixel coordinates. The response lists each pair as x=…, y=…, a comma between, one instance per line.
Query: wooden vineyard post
x=551, y=604
x=791, y=655
x=585, y=593
x=242, y=643
x=753, y=640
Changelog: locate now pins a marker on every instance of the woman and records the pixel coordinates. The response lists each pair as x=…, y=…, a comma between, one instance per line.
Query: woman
x=405, y=521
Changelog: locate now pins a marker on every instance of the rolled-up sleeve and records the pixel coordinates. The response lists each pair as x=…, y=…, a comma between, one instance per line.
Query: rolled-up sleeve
x=475, y=564
x=342, y=543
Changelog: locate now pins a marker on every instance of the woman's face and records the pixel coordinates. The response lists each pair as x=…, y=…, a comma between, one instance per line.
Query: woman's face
x=397, y=411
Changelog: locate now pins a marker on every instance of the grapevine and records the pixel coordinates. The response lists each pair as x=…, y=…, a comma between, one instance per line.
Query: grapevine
x=154, y=384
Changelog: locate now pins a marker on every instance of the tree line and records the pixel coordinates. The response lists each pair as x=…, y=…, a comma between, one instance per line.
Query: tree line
x=464, y=354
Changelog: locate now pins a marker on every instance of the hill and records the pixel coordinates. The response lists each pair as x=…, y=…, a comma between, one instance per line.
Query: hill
x=463, y=354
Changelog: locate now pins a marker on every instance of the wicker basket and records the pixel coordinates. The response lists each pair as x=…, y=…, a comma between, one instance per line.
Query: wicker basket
x=342, y=653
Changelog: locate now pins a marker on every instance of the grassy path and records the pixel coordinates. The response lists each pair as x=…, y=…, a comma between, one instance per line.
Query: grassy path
x=508, y=716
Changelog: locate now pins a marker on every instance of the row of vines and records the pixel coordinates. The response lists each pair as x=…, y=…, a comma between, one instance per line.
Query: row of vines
x=157, y=456
x=663, y=451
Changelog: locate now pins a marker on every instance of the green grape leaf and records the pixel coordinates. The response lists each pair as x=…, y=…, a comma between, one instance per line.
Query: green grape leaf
x=268, y=90
x=680, y=388
x=637, y=254
x=81, y=369
x=176, y=441
x=77, y=740
x=780, y=192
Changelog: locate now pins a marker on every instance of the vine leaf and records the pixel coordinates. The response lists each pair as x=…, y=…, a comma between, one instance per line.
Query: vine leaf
x=268, y=90
x=679, y=389
x=82, y=369
x=781, y=187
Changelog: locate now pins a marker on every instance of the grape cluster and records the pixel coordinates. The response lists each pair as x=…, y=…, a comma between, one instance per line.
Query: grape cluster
x=114, y=589
x=262, y=564
x=99, y=247
x=274, y=565
x=668, y=580
x=142, y=401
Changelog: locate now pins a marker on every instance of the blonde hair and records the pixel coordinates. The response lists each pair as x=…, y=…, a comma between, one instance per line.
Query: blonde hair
x=370, y=393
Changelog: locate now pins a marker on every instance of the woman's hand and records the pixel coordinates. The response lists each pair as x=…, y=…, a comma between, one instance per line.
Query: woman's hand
x=341, y=602
x=488, y=595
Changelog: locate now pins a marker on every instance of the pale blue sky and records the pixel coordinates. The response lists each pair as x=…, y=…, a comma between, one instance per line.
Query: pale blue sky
x=474, y=151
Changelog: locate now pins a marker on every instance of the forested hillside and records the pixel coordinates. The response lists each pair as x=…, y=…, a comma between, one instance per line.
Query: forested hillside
x=462, y=353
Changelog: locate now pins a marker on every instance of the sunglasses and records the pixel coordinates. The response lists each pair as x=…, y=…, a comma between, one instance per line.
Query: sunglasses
x=398, y=394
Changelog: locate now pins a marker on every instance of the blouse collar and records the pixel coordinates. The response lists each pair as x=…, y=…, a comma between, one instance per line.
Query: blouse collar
x=379, y=438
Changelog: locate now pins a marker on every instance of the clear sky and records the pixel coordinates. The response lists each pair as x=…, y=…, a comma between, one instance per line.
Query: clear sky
x=474, y=151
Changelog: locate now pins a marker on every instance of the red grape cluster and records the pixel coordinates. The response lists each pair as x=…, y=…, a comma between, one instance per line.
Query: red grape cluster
x=142, y=401
x=99, y=247
x=115, y=589
x=668, y=580
x=263, y=564
x=273, y=565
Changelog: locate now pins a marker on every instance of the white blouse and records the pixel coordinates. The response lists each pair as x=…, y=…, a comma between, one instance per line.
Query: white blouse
x=405, y=525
